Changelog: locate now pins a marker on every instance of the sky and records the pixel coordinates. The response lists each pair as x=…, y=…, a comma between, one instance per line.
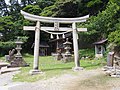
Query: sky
x=7, y=1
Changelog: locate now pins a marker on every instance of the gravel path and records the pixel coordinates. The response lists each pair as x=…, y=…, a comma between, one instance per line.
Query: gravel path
x=6, y=80
x=57, y=83
x=64, y=82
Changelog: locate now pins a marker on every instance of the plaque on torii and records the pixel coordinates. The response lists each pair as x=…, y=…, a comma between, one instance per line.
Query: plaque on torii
x=56, y=27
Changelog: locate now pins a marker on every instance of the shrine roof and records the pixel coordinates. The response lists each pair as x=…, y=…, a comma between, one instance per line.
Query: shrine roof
x=100, y=42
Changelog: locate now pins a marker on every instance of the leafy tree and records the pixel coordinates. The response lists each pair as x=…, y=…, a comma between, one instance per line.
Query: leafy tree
x=33, y=9
x=6, y=27
x=114, y=37
x=24, y=3
x=104, y=17
x=44, y=3
x=48, y=11
x=14, y=9
x=62, y=8
x=100, y=26
x=94, y=6
x=4, y=11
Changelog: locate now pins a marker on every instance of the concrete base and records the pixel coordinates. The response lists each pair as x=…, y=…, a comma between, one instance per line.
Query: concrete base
x=98, y=55
x=77, y=68
x=34, y=72
x=105, y=68
x=18, y=62
x=110, y=71
x=115, y=76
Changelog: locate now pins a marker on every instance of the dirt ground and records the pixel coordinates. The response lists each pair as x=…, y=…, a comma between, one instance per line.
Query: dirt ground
x=84, y=80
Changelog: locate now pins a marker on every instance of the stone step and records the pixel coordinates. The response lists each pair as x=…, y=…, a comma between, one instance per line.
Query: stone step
x=5, y=69
x=3, y=64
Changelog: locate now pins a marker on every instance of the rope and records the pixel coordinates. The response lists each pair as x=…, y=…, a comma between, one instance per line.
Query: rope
x=56, y=33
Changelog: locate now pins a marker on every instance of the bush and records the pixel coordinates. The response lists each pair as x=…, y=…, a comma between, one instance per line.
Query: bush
x=87, y=53
x=114, y=37
x=6, y=46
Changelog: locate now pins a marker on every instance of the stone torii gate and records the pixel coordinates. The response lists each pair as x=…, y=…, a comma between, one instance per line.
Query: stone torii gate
x=56, y=27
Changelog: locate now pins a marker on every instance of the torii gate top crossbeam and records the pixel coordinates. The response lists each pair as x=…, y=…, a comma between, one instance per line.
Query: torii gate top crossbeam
x=51, y=19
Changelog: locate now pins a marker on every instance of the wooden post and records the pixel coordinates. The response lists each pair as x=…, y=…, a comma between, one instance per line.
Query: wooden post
x=36, y=50
x=75, y=45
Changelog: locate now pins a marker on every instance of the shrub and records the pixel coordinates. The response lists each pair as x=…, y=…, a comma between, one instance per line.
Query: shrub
x=6, y=46
x=87, y=53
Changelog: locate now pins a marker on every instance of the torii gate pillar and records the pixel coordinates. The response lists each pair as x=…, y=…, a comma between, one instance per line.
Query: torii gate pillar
x=75, y=45
x=36, y=50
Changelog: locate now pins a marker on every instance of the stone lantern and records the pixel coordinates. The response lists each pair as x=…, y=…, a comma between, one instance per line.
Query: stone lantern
x=18, y=48
x=18, y=60
x=67, y=55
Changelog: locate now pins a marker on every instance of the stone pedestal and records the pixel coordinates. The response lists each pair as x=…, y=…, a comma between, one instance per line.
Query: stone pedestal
x=18, y=62
x=77, y=68
x=67, y=57
x=34, y=72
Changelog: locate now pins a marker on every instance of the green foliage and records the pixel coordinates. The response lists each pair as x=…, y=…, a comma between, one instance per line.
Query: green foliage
x=6, y=46
x=93, y=2
x=6, y=28
x=114, y=37
x=104, y=17
x=95, y=6
x=66, y=8
x=62, y=8
x=3, y=8
x=87, y=53
x=104, y=21
x=23, y=38
x=48, y=11
x=45, y=3
x=27, y=2
x=100, y=26
x=33, y=9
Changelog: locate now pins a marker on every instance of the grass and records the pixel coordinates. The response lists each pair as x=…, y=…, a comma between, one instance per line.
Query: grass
x=52, y=68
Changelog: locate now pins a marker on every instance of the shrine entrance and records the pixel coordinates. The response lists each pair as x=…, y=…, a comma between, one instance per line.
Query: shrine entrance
x=60, y=31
